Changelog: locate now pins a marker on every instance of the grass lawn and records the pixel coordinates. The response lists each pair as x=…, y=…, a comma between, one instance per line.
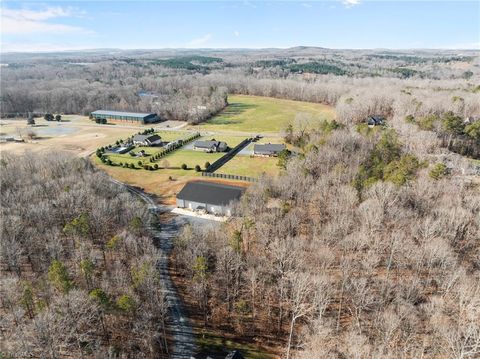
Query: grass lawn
x=252, y=114
x=244, y=165
x=231, y=140
x=169, y=136
x=190, y=158
x=210, y=343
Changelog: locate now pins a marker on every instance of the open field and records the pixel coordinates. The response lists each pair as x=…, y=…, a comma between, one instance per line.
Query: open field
x=75, y=134
x=255, y=114
x=243, y=165
x=190, y=158
x=78, y=135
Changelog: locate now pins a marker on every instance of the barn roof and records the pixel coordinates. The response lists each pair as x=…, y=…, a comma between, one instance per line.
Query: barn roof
x=210, y=193
x=121, y=113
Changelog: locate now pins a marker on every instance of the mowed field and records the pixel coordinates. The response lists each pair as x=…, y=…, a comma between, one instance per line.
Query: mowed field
x=255, y=114
x=243, y=165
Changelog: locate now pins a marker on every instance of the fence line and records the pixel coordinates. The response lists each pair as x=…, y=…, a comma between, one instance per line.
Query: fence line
x=228, y=156
x=228, y=176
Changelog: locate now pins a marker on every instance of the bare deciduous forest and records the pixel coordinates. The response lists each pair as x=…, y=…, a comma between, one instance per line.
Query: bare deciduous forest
x=366, y=246
x=78, y=274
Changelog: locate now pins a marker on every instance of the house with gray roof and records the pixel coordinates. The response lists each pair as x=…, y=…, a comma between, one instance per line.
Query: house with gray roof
x=375, y=121
x=147, y=140
x=268, y=149
x=210, y=146
x=211, y=197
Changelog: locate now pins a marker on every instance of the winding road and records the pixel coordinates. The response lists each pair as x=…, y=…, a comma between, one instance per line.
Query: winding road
x=182, y=334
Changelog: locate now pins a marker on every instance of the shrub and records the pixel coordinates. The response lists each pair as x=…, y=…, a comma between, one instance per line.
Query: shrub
x=438, y=171
x=473, y=130
x=409, y=119
x=427, y=123
x=59, y=277
x=155, y=166
x=100, y=297
x=402, y=170
x=126, y=303
x=183, y=166
x=140, y=163
x=207, y=164
x=197, y=168
x=132, y=166
x=453, y=124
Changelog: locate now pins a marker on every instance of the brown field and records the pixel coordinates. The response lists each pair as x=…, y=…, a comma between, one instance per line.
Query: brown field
x=75, y=134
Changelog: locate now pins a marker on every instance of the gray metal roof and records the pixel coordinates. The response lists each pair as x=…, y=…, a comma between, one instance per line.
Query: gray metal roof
x=140, y=138
x=208, y=144
x=210, y=193
x=143, y=138
x=120, y=113
x=268, y=148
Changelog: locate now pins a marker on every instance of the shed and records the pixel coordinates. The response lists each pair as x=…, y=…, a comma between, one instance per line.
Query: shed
x=212, y=197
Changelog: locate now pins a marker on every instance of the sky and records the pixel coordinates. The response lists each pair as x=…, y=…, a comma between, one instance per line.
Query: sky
x=341, y=24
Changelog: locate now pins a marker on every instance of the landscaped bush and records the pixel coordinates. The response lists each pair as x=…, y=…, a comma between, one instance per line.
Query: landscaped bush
x=184, y=166
x=197, y=168
x=207, y=164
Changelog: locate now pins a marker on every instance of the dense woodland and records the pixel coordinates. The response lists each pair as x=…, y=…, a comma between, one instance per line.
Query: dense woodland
x=366, y=246
x=191, y=87
x=359, y=250
x=78, y=274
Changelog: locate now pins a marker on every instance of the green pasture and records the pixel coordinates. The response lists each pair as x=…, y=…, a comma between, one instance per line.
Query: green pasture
x=254, y=114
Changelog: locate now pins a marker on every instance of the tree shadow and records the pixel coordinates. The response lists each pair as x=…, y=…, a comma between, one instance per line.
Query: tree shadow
x=231, y=111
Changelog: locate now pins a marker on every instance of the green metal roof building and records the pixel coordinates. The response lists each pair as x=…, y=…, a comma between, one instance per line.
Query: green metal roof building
x=126, y=116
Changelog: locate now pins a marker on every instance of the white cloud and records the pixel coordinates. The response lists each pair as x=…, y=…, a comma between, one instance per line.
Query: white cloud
x=200, y=41
x=307, y=5
x=236, y=33
x=26, y=21
x=350, y=3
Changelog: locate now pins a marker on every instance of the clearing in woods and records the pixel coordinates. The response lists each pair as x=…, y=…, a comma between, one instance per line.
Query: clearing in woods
x=252, y=114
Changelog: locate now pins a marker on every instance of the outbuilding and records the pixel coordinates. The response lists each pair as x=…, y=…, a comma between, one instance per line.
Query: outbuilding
x=375, y=121
x=126, y=116
x=211, y=197
x=268, y=149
